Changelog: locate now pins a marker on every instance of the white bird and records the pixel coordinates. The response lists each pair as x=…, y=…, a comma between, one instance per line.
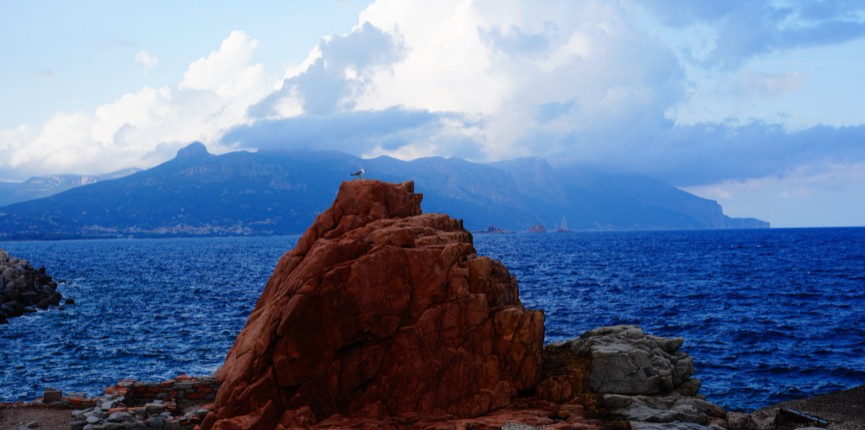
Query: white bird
x=359, y=173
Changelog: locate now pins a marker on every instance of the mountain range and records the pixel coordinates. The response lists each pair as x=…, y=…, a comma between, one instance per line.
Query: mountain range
x=281, y=192
x=44, y=186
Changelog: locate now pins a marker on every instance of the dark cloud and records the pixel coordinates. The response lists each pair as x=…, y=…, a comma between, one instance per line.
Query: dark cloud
x=353, y=132
x=324, y=87
x=747, y=28
x=703, y=154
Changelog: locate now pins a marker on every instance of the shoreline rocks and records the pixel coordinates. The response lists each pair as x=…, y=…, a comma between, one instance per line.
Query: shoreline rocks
x=642, y=379
x=24, y=289
x=383, y=317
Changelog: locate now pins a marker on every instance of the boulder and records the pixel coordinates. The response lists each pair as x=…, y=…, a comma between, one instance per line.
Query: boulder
x=624, y=360
x=380, y=310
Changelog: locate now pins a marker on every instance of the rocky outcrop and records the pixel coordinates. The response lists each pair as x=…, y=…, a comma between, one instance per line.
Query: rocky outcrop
x=640, y=378
x=24, y=289
x=625, y=360
x=380, y=311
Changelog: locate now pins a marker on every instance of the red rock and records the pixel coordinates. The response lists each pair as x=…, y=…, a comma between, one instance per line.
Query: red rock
x=380, y=311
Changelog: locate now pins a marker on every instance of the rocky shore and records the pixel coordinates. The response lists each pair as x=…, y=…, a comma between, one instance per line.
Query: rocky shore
x=386, y=318
x=24, y=289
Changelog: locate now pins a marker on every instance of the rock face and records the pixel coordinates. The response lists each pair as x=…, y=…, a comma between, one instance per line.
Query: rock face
x=643, y=379
x=24, y=289
x=380, y=311
x=627, y=361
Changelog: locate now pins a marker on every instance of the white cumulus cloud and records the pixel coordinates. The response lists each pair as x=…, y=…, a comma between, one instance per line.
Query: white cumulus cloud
x=146, y=59
x=146, y=126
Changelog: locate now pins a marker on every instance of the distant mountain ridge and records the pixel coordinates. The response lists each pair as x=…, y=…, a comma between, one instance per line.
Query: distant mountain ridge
x=270, y=192
x=44, y=186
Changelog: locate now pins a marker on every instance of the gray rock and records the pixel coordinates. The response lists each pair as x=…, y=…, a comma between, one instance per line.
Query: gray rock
x=689, y=388
x=154, y=408
x=627, y=361
x=108, y=404
x=637, y=425
x=156, y=422
x=93, y=419
x=669, y=409
x=741, y=421
x=120, y=417
x=519, y=426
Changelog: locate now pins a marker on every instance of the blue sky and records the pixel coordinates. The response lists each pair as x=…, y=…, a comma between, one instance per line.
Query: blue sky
x=756, y=104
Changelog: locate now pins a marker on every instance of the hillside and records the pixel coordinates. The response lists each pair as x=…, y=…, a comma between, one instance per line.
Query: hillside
x=44, y=186
x=263, y=193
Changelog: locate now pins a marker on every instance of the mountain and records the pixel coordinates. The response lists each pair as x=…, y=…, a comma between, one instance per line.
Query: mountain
x=270, y=192
x=44, y=186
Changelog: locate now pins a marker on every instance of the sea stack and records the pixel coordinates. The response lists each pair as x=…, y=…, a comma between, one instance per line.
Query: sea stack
x=380, y=310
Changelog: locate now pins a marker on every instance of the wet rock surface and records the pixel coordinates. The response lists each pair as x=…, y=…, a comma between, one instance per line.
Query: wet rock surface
x=24, y=289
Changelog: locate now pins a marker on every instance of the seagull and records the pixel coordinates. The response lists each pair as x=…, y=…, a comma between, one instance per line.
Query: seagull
x=359, y=173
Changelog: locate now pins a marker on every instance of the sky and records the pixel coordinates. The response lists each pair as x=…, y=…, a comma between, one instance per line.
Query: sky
x=755, y=104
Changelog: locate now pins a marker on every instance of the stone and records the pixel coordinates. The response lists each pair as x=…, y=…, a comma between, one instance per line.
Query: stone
x=52, y=396
x=741, y=421
x=120, y=417
x=627, y=361
x=379, y=304
x=154, y=408
x=156, y=422
x=671, y=426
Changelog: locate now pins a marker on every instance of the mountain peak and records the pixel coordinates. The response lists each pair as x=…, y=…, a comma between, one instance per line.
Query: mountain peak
x=193, y=150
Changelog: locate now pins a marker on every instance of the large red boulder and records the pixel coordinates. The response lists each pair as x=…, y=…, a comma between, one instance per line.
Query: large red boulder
x=380, y=311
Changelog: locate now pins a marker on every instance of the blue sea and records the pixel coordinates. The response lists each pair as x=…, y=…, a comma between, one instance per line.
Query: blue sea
x=768, y=315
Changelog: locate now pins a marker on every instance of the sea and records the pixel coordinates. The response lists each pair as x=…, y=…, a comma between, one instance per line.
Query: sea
x=768, y=315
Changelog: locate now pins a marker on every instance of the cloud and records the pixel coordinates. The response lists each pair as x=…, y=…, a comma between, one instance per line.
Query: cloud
x=516, y=73
x=742, y=29
x=146, y=126
x=339, y=68
x=146, y=59
x=593, y=82
x=818, y=194
x=393, y=131
x=756, y=84
x=710, y=153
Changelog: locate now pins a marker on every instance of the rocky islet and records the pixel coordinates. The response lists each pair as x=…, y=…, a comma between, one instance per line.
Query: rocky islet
x=24, y=289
